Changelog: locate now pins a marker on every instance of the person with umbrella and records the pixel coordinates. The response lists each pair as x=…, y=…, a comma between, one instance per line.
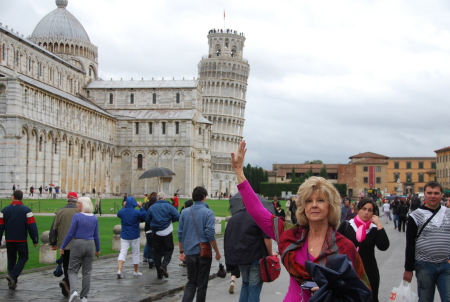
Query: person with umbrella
x=366, y=231
x=315, y=239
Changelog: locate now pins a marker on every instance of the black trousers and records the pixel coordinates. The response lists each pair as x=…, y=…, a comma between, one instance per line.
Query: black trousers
x=66, y=259
x=162, y=248
x=402, y=222
x=15, y=266
x=198, y=276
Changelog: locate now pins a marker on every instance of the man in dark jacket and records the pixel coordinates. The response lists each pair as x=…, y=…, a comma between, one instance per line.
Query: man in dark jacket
x=58, y=231
x=160, y=217
x=244, y=245
x=17, y=220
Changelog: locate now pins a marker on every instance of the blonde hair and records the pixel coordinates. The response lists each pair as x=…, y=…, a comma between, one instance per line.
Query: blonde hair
x=321, y=187
x=86, y=204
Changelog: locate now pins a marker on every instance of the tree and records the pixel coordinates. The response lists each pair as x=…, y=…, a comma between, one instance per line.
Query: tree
x=294, y=177
x=315, y=161
x=255, y=175
x=323, y=172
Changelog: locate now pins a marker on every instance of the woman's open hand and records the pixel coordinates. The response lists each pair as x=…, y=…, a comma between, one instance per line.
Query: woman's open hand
x=237, y=159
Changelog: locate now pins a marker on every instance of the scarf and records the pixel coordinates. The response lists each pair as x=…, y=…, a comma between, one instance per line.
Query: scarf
x=362, y=229
x=292, y=239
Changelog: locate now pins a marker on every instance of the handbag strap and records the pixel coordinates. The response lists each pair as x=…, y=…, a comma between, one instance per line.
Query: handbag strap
x=425, y=224
x=195, y=224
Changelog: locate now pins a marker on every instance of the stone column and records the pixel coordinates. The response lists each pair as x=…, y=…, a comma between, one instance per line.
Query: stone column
x=143, y=239
x=116, y=238
x=218, y=226
x=3, y=257
x=46, y=254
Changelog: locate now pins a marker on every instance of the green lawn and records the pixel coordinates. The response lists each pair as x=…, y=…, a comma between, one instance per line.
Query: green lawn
x=106, y=224
x=109, y=206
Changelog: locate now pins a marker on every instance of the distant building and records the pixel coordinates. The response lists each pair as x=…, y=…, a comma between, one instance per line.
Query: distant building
x=370, y=173
x=443, y=167
x=412, y=172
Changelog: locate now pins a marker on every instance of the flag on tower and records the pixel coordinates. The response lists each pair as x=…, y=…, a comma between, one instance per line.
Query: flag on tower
x=224, y=14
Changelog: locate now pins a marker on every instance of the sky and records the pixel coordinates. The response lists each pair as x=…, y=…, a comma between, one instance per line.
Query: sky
x=328, y=79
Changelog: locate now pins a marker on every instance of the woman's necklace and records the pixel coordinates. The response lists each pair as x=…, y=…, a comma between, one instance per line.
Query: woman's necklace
x=312, y=248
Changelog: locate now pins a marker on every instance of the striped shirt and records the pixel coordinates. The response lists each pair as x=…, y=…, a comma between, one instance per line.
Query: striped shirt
x=433, y=245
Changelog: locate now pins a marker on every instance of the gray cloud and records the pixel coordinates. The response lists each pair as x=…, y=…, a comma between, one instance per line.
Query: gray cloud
x=328, y=79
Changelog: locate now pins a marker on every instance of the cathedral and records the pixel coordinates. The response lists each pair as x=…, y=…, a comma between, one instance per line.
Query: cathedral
x=61, y=124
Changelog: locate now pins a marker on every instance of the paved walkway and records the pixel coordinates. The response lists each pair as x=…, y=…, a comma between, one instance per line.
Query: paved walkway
x=41, y=285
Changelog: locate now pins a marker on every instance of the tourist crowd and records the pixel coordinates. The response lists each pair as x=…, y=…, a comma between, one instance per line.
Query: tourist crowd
x=319, y=230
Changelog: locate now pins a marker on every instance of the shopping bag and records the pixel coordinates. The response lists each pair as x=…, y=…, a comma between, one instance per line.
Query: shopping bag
x=403, y=293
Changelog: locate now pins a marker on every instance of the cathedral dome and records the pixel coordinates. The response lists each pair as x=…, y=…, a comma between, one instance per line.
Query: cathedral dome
x=60, y=24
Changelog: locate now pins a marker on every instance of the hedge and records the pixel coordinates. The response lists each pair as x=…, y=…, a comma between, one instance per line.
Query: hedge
x=275, y=189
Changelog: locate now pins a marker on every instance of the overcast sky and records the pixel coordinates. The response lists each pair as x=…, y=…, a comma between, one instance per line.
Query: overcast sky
x=328, y=79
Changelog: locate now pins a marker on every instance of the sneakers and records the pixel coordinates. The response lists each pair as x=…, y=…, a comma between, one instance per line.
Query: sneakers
x=119, y=275
x=150, y=264
x=137, y=274
x=145, y=260
x=164, y=272
x=231, y=290
x=84, y=299
x=183, y=264
x=11, y=283
x=64, y=288
x=73, y=296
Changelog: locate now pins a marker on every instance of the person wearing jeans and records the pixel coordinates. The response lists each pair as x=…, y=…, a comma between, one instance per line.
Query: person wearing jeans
x=428, y=246
x=244, y=245
x=197, y=225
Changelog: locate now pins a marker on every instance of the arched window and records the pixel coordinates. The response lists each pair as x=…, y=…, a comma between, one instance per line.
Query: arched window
x=90, y=71
x=200, y=130
x=29, y=64
x=150, y=128
x=178, y=97
x=3, y=52
x=163, y=127
x=40, y=143
x=111, y=98
x=154, y=98
x=70, y=148
x=56, y=146
x=17, y=58
x=177, y=127
x=139, y=161
x=132, y=98
x=82, y=152
x=137, y=127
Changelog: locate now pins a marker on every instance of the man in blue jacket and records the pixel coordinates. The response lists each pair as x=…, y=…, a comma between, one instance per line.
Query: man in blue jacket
x=131, y=233
x=160, y=217
x=197, y=225
x=17, y=219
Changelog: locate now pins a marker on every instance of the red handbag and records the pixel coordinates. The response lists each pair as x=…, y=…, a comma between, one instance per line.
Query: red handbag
x=270, y=268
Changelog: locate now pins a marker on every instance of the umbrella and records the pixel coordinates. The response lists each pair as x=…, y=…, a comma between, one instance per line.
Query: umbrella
x=236, y=203
x=51, y=185
x=337, y=281
x=157, y=172
x=392, y=197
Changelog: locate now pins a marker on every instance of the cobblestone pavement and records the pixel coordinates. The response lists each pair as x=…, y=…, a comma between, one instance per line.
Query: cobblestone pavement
x=43, y=286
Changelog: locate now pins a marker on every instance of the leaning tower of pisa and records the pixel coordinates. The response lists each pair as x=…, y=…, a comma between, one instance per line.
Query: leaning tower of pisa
x=223, y=75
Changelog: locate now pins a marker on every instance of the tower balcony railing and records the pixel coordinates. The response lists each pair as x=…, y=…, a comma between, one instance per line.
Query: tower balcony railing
x=234, y=58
